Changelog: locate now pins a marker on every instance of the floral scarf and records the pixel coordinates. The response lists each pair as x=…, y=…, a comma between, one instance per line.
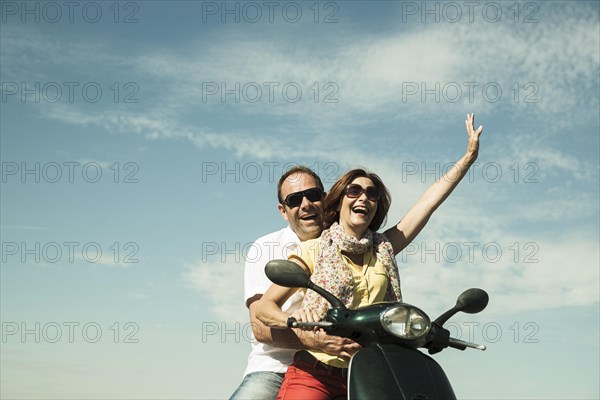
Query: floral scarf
x=334, y=275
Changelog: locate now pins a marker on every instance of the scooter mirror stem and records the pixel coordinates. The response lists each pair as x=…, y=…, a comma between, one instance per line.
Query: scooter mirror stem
x=441, y=320
x=289, y=274
x=470, y=301
x=334, y=301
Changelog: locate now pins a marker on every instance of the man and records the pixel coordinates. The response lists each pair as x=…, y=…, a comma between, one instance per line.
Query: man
x=300, y=193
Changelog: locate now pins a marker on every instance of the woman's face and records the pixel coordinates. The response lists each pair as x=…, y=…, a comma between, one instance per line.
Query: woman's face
x=357, y=213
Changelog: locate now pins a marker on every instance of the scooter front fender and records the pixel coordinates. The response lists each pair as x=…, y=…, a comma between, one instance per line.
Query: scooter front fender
x=393, y=372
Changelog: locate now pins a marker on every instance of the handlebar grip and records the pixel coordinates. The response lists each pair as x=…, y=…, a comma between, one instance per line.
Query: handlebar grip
x=293, y=323
x=455, y=345
x=461, y=345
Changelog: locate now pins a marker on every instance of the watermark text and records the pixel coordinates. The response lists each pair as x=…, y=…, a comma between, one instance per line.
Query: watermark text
x=69, y=332
x=470, y=11
x=69, y=171
x=266, y=171
x=69, y=92
x=92, y=12
x=490, y=172
x=71, y=252
x=453, y=92
x=269, y=92
x=253, y=12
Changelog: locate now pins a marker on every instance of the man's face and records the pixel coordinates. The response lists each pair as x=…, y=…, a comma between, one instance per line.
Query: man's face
x=306, y=220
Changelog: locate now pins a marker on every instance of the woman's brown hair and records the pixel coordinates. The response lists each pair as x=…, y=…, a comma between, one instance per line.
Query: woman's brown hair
x=336, y=194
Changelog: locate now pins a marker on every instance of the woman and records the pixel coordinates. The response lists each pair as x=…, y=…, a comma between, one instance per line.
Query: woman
x=354, y=263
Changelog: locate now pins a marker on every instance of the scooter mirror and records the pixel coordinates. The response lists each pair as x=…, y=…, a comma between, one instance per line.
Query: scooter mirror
x=472, y=301
x=286, y=273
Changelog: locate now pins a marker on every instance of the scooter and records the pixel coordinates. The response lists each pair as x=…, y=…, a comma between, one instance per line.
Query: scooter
x=389, y=366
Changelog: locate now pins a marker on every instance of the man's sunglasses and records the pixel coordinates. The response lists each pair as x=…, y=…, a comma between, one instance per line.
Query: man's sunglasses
x=353, y=191
x=295, y=199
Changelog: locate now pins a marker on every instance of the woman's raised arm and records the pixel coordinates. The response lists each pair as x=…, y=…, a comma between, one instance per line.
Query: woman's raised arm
x=413, y=222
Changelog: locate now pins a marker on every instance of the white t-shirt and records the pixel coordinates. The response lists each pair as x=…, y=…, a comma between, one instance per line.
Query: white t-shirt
x=276, y=245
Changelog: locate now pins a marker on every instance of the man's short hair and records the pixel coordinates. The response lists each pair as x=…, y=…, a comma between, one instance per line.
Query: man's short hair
x=299, y=169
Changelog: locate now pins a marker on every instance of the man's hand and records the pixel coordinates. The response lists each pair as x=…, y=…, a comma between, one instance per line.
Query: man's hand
x=301, y=339
x=334, y=345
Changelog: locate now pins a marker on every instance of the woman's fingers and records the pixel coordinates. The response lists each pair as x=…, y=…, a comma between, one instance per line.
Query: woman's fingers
x=470, y=123
x=306, y=315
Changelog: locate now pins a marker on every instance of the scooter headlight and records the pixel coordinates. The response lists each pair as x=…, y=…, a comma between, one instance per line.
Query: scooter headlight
x=406, y=322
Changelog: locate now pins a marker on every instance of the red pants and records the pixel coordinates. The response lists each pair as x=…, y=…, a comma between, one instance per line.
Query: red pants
x=313, y=381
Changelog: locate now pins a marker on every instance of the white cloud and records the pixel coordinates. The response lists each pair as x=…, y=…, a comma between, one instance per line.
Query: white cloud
x=528, y=275
x=159, y=126
x=557, y=54
x=103, y=164
x=222, y=284
x=546, y=157
x=558, y=207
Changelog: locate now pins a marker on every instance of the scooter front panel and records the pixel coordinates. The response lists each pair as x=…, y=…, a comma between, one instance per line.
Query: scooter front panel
x=393, y=372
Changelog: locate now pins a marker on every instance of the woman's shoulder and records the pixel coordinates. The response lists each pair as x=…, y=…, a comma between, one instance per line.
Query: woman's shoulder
x=310, y=244
x=308, y=250
x=311, y=241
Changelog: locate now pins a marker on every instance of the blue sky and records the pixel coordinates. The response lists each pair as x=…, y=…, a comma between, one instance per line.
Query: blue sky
x=141, y=143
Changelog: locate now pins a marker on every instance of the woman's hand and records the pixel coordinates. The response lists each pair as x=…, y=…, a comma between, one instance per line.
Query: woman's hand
x=473, y=145
x=306, y=315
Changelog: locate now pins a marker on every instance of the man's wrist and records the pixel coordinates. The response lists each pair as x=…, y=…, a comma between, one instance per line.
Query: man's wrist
x=316, y=340
x=307, y=338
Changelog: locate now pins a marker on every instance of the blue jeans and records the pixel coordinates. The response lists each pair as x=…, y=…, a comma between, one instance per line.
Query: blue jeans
x=261, y=385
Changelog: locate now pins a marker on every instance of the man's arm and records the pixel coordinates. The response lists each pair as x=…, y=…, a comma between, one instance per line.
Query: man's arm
x=298, y=338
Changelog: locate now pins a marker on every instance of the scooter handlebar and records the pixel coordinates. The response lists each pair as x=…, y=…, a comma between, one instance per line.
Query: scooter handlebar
x=293, y=323
x=461, y=345
x=322, y=324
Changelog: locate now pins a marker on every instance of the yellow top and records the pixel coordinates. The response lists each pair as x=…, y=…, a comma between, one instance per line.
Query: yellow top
x=370, y=285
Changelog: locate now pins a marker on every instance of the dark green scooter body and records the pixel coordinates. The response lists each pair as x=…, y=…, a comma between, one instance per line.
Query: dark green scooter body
x=394, y=372
x=388, y=367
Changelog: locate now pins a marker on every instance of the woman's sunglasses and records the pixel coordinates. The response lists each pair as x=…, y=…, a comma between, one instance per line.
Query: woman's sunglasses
x=295, y=199
x=353, y=191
